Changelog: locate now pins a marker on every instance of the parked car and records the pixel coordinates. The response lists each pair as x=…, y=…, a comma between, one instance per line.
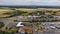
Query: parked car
x=58, y=27
x=52, y=27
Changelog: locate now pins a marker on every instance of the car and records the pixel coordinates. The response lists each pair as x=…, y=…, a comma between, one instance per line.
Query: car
x=58, y=27
x=52, y=27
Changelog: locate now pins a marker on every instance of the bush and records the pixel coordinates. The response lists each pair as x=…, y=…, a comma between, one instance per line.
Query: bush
x=1, y=24
x=9, y=31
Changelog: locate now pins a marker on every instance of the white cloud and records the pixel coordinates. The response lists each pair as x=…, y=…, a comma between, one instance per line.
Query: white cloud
x=30, y=2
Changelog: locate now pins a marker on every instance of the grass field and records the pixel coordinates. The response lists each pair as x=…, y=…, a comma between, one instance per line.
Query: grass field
x=26, y=9
x=4, y=11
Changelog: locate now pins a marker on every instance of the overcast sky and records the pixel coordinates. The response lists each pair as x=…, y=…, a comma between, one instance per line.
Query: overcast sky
x=31, y=2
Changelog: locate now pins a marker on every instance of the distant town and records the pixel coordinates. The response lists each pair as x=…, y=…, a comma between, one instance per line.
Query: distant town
x=29, y=20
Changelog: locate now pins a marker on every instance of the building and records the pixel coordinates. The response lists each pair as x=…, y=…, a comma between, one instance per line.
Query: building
x=19, y=24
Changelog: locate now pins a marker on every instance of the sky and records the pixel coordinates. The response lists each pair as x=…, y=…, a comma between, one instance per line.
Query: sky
x=31, y=2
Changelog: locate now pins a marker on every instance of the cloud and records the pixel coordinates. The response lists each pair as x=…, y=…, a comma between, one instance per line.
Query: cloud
x=30, y=2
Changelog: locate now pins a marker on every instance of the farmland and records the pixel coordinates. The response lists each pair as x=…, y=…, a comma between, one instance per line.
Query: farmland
x=7, y=12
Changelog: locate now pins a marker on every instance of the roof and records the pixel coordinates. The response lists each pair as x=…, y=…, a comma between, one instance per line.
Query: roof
x=19, y=24
x=26, y=28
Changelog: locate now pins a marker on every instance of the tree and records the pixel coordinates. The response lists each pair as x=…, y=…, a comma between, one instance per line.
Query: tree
x=1, y=24
x=5, y=30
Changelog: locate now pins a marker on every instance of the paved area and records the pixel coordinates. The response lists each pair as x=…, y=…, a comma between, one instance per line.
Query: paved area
x=4, y=20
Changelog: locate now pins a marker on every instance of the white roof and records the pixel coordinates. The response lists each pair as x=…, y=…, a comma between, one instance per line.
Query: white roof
x=19, y=24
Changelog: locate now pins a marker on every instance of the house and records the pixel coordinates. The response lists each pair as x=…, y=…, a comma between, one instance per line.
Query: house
x=25, y=29
x=21, y=31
